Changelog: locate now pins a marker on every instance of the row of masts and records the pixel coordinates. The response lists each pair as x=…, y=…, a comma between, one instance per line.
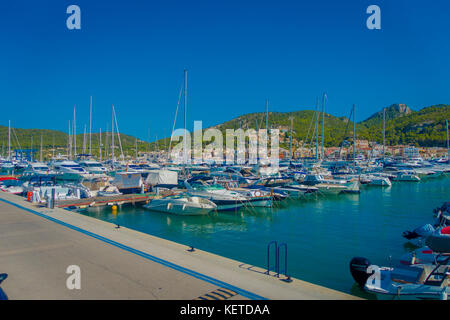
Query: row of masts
x=72, y=136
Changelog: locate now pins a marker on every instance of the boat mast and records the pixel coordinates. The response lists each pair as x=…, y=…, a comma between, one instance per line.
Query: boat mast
x=112, y=134
x=100, y=144
x=90, y=126
x=384, y=134
x=317, y=131
x=267, y=116
x=84, y=140
x=53, y=146
x=323, y=123
x=106, y=142
x=290, y=141
x=354, y=141
x=9, y=139
x=74, y=132
x=40, y=156
x=118, y=134
x=185, y=108
x=69, y=144
x=448, y=148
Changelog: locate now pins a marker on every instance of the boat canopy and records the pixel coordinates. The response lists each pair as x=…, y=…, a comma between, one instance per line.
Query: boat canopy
x=158, y=177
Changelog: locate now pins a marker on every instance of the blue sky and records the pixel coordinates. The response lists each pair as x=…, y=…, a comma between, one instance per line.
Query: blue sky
x=238, y=54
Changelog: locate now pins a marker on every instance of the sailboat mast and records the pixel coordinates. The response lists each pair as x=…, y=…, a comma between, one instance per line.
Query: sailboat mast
x=112, y=134
x=40, y=156
x=354, y=141
x=290, y=141
x=448, y=148
x=317, y=126
x=185, y=108
x=90, y=126
x=84, y=140
x=106, y=143
x=9, y=140
x=74, y=132
x=323, y=123
x=267, y=116
x=100, y=144
x=69, y=144
x=384, y=132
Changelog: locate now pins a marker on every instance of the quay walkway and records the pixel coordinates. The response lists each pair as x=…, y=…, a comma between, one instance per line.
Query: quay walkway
x=37, y=246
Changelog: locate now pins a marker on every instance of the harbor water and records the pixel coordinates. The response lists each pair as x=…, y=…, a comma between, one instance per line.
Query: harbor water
x=322, y=233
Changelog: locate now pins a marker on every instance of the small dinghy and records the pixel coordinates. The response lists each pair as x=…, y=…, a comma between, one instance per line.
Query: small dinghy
x=413, y=281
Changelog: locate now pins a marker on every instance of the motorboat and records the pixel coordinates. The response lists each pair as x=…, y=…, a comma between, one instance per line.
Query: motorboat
x=128, y=182
x=332, y=186
x=93, y=167
x=69, y=170
x=411, y=279
x=375, y=180
x=11, y=185
x=224, y=199
x=182, y=204
x=256, y=198
x=407, y=176
x=284, y=186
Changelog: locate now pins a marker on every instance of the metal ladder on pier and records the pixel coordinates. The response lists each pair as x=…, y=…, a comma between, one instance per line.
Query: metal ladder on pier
x=276, y=268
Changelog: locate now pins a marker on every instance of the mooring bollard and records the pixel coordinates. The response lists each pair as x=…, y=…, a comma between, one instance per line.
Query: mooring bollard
x=53, y=198
x=49, y=201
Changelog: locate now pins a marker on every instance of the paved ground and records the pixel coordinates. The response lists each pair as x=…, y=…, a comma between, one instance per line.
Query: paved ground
x=121, y=263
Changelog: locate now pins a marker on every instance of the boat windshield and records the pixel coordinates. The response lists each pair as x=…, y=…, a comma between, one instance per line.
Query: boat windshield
x=41, y=168
x=73, y=167
x=94, y=165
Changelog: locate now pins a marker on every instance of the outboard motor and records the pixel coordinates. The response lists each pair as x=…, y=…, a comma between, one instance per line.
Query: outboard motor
x=410, y=235
x=358, y=269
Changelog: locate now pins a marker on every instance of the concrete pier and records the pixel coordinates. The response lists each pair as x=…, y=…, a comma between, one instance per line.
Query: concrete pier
x=37, y=245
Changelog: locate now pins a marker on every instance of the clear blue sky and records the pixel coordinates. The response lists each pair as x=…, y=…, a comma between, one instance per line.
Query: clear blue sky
x=239, y=53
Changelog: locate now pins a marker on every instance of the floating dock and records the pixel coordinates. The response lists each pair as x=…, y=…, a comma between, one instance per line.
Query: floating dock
x=105, y=201
x=39, y=244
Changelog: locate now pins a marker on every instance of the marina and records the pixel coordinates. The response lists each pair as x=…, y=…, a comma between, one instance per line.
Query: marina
x=296, y=223
x=120, y=263
x=225, y=151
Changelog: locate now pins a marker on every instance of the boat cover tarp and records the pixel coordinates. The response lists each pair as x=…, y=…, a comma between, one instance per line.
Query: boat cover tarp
x=425, y=230
x=158, y=177
x=124, y=180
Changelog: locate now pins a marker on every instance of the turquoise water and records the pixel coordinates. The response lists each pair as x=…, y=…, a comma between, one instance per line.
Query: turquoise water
x=322, y=234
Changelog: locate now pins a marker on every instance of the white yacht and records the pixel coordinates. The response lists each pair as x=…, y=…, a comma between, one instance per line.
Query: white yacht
x=407, y=176
x=69, y=170
x=93, y=167
x=182, y=204
x=223, y=198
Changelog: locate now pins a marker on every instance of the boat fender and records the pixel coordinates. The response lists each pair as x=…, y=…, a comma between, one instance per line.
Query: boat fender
x=358, y=269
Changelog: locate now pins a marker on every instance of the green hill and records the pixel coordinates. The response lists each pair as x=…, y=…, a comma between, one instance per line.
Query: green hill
x=31, y=138
x=392, y=112
x=425, y=127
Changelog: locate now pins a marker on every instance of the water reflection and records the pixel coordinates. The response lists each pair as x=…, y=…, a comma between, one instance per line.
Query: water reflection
x=323, y=233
